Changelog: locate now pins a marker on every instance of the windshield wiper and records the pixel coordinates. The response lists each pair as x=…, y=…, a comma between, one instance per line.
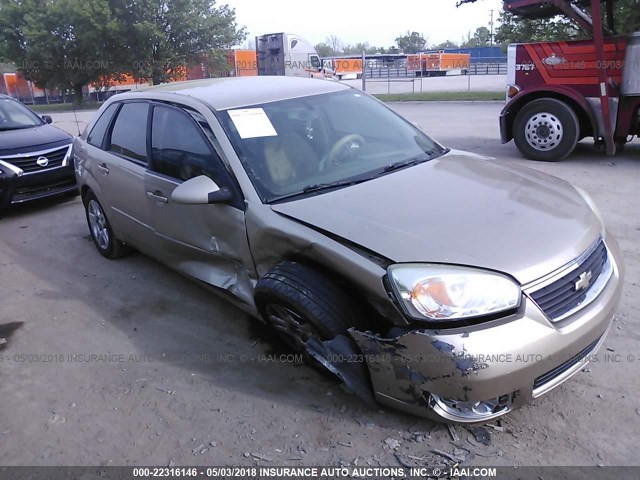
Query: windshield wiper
x=22, y=127
x=318, y=187
x=407, y=163
x=326, y=186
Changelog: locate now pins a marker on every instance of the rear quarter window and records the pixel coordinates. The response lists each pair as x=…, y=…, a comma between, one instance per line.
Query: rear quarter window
x=96, y=136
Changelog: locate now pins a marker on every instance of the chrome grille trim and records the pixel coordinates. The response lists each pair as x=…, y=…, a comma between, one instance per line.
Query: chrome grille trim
x=8, y=160
x=562, y=275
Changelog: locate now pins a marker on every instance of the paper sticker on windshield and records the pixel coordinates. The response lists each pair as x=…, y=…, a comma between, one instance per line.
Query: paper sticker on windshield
x=252, y=123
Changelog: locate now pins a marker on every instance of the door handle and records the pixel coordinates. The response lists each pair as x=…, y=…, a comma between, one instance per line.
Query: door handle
x=103, y=168
x=157, y=196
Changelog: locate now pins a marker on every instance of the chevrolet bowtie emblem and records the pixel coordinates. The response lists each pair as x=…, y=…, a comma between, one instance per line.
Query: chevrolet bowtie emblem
x=583, y=281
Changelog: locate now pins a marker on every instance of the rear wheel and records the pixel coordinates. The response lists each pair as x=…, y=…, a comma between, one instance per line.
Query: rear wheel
x=546, y=129
x=105, y=241
x=301, y=303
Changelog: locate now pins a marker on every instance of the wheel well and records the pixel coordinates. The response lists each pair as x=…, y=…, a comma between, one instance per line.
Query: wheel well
x=585, y=120
x=376, y=320
x=83, y=191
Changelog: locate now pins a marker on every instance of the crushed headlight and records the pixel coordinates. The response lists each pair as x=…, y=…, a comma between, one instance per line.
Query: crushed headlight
x=442, y=293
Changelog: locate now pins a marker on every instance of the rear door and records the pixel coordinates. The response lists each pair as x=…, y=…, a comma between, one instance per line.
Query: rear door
x=119, y=171
x=208, y=242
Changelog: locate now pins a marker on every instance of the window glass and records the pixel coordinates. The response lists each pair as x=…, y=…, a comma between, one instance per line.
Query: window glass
x=289, y=146
x=129, y=135
x=178, y=148
x=14, y=116
x=96, y=136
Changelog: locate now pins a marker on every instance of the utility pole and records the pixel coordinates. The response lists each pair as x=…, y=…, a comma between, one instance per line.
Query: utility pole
x=491, y=25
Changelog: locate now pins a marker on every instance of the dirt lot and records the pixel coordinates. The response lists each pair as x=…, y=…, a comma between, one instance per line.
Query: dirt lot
x=185, y=378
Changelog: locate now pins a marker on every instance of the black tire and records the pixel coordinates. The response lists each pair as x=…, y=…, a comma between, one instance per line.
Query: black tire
x=105, y=241
x=546, y=129
x=316, y=302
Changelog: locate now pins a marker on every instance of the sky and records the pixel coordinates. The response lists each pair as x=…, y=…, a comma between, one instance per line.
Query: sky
x=353, y=21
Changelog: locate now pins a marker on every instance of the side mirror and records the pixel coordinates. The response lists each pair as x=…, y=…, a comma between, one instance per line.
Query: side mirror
x=47, y=119
x=200, y=191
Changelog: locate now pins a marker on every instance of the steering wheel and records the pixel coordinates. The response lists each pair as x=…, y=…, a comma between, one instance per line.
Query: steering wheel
x=347, y=148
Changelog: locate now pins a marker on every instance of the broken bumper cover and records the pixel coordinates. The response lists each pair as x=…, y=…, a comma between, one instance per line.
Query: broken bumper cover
x=482, y=372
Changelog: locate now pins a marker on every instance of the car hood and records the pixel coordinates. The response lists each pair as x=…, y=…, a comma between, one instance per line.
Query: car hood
x=16, y=141
x=459, y=209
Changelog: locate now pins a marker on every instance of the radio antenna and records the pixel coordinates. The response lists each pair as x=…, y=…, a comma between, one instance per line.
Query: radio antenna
x=73, y=106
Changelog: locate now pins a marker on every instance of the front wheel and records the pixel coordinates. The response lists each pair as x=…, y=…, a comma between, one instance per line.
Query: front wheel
x=300, y=303
x=546, y=129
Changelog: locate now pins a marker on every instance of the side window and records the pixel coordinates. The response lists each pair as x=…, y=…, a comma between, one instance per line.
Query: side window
x=178, y=148
x=96, y=137
x=129, y=134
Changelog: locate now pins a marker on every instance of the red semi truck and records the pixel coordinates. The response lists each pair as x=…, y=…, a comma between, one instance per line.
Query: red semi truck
x=561, y=92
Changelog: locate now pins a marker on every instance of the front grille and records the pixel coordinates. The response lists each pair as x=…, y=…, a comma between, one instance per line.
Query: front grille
x=566, y=366
x=23, y=194
x=29, y=162
x=562, y=296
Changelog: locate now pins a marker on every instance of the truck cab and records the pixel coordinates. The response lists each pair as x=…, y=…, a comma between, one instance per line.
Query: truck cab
x=286, y=54
x=561, y=92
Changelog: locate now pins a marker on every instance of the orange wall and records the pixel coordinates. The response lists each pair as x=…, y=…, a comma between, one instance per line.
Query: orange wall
x=347, y=65
x=439, y=61
x=244, y=63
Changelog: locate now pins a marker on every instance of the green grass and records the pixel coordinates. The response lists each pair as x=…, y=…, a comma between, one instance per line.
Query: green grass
x=64, y=107
x=440, y=96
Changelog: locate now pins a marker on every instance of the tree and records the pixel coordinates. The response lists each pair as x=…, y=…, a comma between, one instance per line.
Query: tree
x=323, y=50
x=411, y=42
x=359, y=47
x=514, y=29
x=445, y=44
x=250, y=44
x=627, y=16
x=335, y=43
x=64, y=44
x=69, y=44
x=163, y=36
x=481, y=38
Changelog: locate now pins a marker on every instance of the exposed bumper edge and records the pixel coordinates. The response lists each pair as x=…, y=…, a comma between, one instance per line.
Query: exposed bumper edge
x=341, y=357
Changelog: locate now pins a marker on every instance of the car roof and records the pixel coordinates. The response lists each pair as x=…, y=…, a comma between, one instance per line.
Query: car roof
x=234, y=92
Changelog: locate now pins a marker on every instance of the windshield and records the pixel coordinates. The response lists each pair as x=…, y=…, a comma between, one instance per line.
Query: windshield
x=311, y=144
x=14, y=115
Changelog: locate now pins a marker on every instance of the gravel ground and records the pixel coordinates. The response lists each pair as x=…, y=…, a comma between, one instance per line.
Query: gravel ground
x=184, y=377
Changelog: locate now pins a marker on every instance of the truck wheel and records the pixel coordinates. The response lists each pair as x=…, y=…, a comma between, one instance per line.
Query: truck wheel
x=105, y=241
x=300, y=303
x=546, y=129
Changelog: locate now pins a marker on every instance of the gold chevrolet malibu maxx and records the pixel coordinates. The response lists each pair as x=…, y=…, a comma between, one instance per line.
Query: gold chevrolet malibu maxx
x=434, y=281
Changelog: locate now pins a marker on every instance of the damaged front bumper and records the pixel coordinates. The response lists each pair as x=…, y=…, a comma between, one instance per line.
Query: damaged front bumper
x=473, y=374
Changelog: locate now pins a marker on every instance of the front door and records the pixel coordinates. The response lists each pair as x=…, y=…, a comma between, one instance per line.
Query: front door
x=208, y=242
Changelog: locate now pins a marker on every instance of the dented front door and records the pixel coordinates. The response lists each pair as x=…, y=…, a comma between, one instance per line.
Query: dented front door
x=208, y=242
